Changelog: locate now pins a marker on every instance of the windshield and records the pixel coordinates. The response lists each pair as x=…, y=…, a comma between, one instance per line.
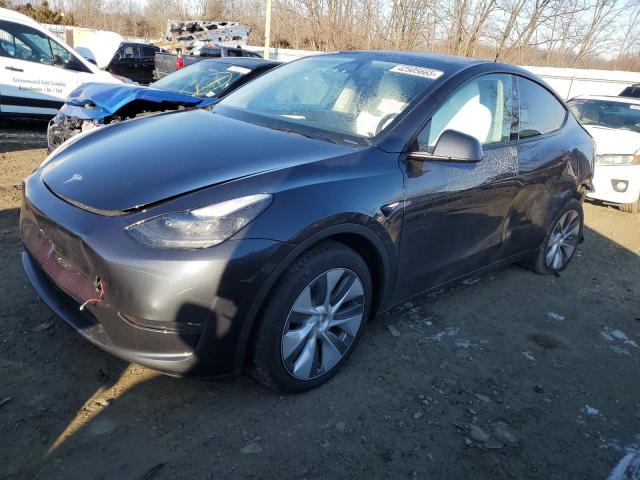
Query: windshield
x=603, y=113
x=352, y=96
x=202, y=79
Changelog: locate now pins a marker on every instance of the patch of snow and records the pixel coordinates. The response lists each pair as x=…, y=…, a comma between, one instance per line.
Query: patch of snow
x=606, y=334
x=529, y=356
x=611, y=444
x=591, y=411
x=447, y=332
x=464, y=343
x=614, y=444
x=631, y=343
x=555, y=316
x=619, y=335
x=620, y=350
x=613, y=335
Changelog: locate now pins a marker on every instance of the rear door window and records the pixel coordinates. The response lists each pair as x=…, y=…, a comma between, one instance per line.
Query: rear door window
x=540, y=111
x=130, y=52
x=148, y=51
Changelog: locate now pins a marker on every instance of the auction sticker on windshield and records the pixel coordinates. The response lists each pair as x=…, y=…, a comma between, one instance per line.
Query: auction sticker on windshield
x=418, y=71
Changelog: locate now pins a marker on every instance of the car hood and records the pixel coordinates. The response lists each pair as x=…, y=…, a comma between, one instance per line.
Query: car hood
x=103, y=45
x=614, y=141
x=132, y=164
x=100, y=100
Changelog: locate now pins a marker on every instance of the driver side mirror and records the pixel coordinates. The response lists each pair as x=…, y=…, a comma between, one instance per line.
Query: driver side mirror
x=453, y=146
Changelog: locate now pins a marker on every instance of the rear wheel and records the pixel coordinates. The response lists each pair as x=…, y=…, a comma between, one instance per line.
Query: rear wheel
x=312, y=319
x=561, y=242
x=633, y=207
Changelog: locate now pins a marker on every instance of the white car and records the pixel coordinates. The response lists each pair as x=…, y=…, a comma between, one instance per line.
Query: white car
x=614, y=123
x=37, y=69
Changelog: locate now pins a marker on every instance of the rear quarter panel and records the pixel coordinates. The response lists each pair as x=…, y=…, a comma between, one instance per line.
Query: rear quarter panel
x=553, y=169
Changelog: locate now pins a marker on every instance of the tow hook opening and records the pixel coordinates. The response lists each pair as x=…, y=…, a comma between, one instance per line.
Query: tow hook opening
x=98, y=285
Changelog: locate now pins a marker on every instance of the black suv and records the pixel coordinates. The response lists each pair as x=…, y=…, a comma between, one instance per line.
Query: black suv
x=134, y=61
x=632, y=91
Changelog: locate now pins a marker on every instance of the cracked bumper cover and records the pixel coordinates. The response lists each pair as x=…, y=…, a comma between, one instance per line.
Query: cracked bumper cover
x=185, y=313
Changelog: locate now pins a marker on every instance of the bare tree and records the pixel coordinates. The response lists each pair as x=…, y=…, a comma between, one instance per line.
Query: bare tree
x=512, y=11
x=407, y=24
x=598, y=27
x=630, y=42
x=595, y=33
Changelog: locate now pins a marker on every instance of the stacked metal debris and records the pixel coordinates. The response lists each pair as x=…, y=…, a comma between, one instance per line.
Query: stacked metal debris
x=194, y=34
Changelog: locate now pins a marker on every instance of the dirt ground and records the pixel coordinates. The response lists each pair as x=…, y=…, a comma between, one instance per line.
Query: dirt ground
x=511, y=375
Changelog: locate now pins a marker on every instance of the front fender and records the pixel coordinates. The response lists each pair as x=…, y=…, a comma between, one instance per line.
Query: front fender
x=385, y=255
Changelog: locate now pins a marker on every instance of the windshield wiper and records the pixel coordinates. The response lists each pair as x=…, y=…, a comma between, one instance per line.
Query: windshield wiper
x=298, y=132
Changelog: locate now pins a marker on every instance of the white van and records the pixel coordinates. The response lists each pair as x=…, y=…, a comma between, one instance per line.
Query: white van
x=38, y=70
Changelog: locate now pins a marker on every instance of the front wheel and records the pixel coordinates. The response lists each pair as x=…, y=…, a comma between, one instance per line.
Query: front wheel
x=562, y=240
x=313, y=318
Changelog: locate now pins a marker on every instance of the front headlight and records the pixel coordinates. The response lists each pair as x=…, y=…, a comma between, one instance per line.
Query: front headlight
x=618, y=159
x=202, y=227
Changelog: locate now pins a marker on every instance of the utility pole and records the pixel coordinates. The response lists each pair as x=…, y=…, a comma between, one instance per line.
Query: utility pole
x=267, y=29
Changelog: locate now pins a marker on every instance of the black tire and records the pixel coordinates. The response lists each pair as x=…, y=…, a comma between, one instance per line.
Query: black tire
x=631, y=207
x=266, y=358
x=540, y=264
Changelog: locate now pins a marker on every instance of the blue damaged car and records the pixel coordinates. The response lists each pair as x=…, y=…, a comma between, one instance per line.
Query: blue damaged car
x=199, y=85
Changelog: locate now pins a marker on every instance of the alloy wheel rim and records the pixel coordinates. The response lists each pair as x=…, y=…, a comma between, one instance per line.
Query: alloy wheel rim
x=322, y=323
x=563, y=240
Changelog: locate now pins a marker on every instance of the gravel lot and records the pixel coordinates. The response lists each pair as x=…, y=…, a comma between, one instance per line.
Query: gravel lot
x=511, y=375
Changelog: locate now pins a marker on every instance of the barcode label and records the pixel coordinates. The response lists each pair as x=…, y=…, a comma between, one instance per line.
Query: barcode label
x=418, y=71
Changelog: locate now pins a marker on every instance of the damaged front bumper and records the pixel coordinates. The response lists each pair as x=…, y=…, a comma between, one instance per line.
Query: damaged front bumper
x=181, y=312
x=62, y=127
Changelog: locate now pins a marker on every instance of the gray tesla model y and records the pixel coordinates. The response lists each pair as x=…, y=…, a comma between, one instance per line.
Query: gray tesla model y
x=263, y=233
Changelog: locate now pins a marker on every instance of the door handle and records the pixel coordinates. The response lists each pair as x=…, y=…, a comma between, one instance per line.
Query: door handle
x=14, y=69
